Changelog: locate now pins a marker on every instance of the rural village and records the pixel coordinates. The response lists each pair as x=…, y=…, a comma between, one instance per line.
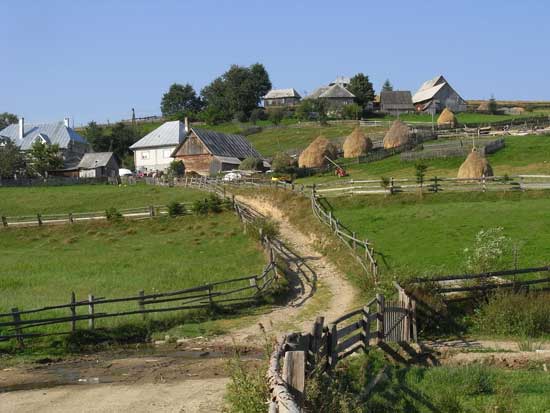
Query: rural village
x=257, y=247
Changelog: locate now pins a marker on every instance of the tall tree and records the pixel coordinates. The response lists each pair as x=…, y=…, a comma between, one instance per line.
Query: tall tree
x=12, y=160
x=122, y=137
x=362, y=88
x=180, y=99
x=7, y=119
x=387, y=86
x=95, y=135
x=44, y=158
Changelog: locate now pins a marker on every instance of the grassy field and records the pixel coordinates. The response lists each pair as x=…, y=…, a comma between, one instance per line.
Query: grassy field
x=465, y=117
x=522, y=155
x=41, y=266
x=84, y=198
x=417, y=236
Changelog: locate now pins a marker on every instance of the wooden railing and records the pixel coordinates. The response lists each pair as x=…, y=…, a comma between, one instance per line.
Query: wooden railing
x=300, y=355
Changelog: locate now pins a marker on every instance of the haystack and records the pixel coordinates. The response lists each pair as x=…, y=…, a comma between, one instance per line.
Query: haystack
x=483, y=107
x=475, y=166
x=314, y=155
x=398, y=135
x=447, y=118
x=357, y=144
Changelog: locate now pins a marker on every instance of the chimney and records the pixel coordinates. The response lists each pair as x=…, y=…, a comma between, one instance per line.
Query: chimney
x=67, y=123
x=186, y=123
x=21, y=128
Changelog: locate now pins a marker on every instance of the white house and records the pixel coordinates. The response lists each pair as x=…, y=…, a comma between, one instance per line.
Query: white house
x=153, y=151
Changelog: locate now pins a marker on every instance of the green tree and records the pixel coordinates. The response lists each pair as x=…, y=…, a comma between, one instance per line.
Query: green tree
x=362, y=88
x=387, y=86
x=12, y=160
x=7, y=119
x=352, y=111
x=420, y=169
x=493, y=107
x=251, y=164
x=256, y=115
x=121, y=138
x=176, y=168
x=44, y=158
x=95, y=135
x=180, y=99
x=305, y=109
x=276, y=115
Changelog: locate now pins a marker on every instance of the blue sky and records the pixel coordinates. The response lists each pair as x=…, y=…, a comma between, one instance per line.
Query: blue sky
x=95, y=60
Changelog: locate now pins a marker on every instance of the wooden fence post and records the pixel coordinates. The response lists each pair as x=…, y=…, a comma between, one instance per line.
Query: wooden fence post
x=332, y=346
x=39, y=219
x=71, y=219
x=210, y=299
x=391, y=186
x=294, y=374
x=91, y=320
x=141, y=303
x=380, y=318
x=354, y=240
x=73, y=312
x=315, y=342
x=151, y=211
x=436, y=185
x=413, y=320
x=18, y=332
x=366, y=327
x=4, y=221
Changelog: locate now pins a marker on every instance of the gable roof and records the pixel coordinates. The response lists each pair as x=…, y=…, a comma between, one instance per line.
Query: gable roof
x=167, y=134
x=428, y=84
x=430, y=88
x=223, y=144
x=282, y=93
x=95, y=160
x=340, y=80
x=53, y=133
x=396, y=98
x=337, y=91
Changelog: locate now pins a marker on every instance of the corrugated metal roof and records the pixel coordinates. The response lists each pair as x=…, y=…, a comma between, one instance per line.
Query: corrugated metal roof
x=428, y=84
x=282, y=93
x=167, y=134
x=95, y=160
x=56, y=133
x=427, y=94
x=228, y=145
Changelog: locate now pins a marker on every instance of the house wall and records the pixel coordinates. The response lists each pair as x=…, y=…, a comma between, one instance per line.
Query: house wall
x=201, y=163
x=153, y=159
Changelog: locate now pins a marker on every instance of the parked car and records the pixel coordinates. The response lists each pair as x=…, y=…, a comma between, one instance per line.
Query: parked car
x=232, y=176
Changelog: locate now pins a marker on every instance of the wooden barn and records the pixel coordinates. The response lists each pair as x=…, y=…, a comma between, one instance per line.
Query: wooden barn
x=396, y=102
x=437, y=94
x=281, y=98
x=98, y=165
x=207, y=152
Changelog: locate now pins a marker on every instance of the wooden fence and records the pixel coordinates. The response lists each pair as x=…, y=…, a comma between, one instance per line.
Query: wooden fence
x=457, y=148
x=21, y=324
x=299, y=355
x=150, y=211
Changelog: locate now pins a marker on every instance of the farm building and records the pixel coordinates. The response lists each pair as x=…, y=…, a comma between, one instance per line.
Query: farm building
x=153, y=151
x=98, y=165
x=396, y=102
x=71, y=144
x=208, y=153
x=341, y=80
x=281, y=98
x=336, y=96
x=437, y=94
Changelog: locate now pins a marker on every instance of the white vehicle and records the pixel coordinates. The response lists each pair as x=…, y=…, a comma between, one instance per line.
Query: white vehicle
x=124, y=172
x=232, y=176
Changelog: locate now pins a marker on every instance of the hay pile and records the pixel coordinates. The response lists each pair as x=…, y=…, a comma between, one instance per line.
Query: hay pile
x=475, y=166
x=447, y=118
x=398, y=135
x=314, y=155
x=484, y=107
x=357, y=144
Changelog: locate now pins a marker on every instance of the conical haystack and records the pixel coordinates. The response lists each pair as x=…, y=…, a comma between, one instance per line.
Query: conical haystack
x=475, y=166
x=398, y=135
x=357, y=144
x=314, y=155
x=447, y=118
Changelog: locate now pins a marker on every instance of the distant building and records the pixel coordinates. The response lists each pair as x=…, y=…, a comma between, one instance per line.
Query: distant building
x=336, y=96
x=281, y=98
x=342, y=81
x=98, y=165
x=153, y=151
x=437, y=94
x=72, y=146
x=207, y=152
x=396, y=102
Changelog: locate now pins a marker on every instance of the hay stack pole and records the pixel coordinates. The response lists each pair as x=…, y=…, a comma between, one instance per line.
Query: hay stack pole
x=357, y=144
x=475, y=166
x=398, y=135
x=314, y=155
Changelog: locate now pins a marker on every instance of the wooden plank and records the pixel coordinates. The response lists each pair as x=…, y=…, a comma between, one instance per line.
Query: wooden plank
x=350, y=341
x=380, y=318
x=73, y=312
x=18, y=332
x=483, y=275
x=345, y=331
x=348, y=316
x=91, y=322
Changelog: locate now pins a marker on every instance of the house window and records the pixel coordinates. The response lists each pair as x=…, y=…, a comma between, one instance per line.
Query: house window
x=166, y=153
x=144, y=155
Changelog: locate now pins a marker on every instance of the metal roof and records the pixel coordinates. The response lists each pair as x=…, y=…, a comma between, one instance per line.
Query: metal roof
x=227, y=145
x=426, y=94
x=95, y=160
x=55, y=133
x=167, y=134
x=282, y=93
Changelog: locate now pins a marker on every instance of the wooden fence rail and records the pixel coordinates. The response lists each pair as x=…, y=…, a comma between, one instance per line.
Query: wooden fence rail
x=300, y=355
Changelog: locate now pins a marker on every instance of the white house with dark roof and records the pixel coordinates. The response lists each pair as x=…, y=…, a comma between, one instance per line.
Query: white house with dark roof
x=153, y=151
x=71, y=144
x=437, y=94
x=281, y=97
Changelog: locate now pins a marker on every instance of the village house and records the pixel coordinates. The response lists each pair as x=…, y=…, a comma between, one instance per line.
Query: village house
x=396, y=102
x=437, y=94
x=336, y=96
x=153, y=152
x=281, y=98
x=98, y=165
x=207, y=152
x=71, y=145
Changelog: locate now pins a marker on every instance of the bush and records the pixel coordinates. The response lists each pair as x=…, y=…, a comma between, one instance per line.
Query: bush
x=276, y=116
x=240, y=116
x=175, y=209
x=352, y=111
x=267, y=227
x=251, y=164
x=282, y=163
x=113, y=214
x=212, y=204
x=176, y=169
x=247, y=391
x=256, y=115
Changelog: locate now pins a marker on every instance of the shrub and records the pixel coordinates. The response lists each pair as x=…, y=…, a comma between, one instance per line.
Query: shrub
x=352, y=111
x=175, y=209
x=276, y=116
x=251, y=164
x=176, y=169
x=256, y=115
x=113, y=214
x=247, y=391
x=282, y=163
x=212, y=204
x=490, y=252
x=240, y=116
x=265, y=226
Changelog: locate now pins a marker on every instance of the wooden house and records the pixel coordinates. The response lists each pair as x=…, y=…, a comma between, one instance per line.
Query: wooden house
x=437, y=94
x=98, y=165
x=396, y=102
x=281, y=98
x=207, y=152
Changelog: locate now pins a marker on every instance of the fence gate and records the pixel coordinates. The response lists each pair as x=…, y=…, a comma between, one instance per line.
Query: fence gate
x=399, y=319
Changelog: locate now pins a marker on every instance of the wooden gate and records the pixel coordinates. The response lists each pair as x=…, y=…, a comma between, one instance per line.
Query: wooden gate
x=399, y=318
